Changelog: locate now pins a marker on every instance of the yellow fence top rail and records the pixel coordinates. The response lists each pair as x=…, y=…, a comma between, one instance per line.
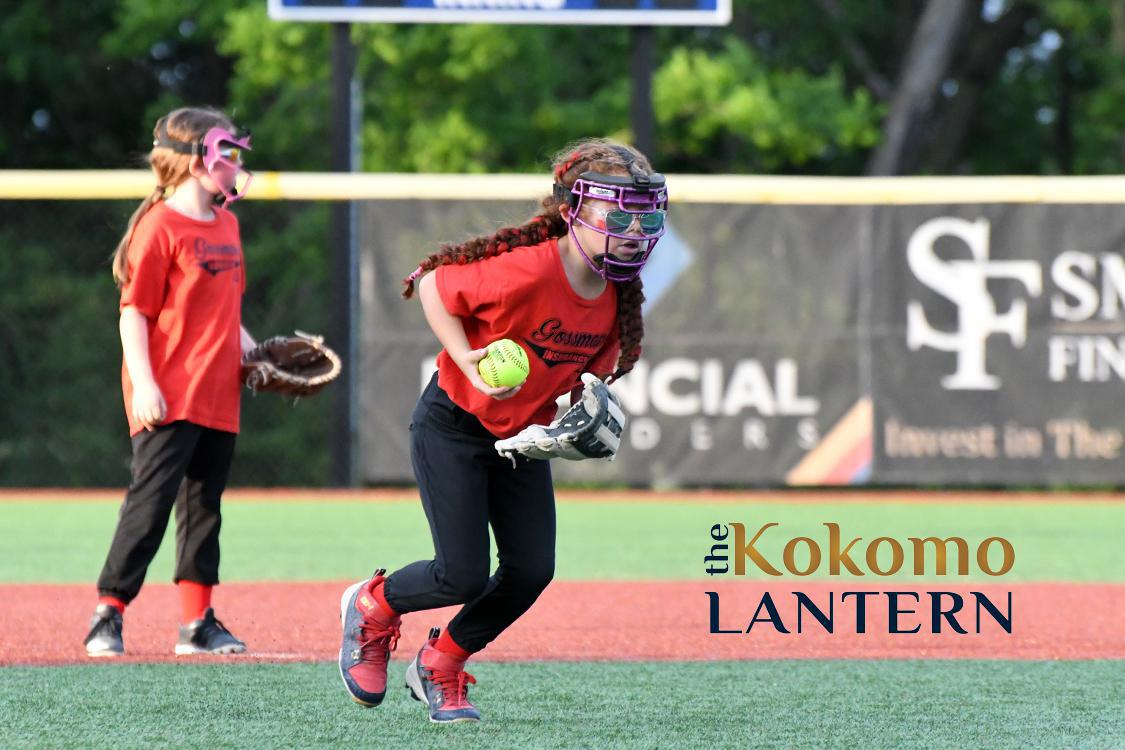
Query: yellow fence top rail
x=109, y=184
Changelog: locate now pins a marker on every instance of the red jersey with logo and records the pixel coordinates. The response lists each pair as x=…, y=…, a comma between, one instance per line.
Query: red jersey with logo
x=524, y=295
x=187, y=277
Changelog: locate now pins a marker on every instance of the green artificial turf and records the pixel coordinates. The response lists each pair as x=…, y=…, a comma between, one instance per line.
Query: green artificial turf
x=66, y=542
x=783, y=704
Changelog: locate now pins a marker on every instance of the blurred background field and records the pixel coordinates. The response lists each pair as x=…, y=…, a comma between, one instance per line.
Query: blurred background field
x=652, y=537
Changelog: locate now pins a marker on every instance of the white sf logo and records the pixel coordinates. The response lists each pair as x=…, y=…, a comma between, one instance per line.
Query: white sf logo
x=965, y=284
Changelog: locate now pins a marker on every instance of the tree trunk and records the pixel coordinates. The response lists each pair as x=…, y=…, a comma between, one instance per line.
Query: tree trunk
x=986, y=53
x=926, y=65
x=1064, y=115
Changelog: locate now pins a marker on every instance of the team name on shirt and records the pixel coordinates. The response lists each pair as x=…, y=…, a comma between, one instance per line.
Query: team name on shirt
x=552, y=332
x=214, y=259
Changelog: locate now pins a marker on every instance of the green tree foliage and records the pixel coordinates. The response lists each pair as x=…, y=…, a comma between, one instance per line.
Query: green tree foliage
x=796, y=88
x=1085, y=83
x=60, y=382
x=729, y=112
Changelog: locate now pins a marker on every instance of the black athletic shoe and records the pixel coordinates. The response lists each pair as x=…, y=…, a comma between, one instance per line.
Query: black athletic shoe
x=104, y=638
x=207, y=636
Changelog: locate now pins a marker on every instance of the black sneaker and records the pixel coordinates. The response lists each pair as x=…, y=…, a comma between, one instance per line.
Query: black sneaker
x=104, y=638
x=207, y=636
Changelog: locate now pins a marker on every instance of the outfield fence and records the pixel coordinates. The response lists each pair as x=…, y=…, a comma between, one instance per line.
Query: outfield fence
x=800, y=331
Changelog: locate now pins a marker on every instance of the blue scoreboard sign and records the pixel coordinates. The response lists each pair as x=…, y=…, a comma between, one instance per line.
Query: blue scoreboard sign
x=559, y=12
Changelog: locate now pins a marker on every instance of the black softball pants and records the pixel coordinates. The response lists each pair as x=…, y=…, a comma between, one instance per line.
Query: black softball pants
x=465, y=487
x=179, y=465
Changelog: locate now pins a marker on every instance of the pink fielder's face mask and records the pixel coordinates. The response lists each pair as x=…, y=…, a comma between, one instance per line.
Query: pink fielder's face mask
x=632, y=208
x=222, y=158
x=221, y=151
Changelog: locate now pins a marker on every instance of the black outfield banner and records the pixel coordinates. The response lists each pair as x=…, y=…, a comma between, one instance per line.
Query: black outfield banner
x=786, y=344
x=999, y=354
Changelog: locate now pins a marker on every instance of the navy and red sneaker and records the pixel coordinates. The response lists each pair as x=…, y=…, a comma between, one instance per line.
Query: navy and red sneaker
x=440, y=681
x=370, y=636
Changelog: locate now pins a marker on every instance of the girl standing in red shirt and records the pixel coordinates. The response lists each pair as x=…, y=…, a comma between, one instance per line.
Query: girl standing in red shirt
x=181, y=274
x=566, y=286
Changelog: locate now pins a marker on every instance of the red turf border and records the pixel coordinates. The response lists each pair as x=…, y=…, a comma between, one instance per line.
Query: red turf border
x=45, y=624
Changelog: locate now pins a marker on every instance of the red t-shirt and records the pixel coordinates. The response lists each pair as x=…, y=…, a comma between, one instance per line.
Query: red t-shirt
x=524, y=295
x=187, y=277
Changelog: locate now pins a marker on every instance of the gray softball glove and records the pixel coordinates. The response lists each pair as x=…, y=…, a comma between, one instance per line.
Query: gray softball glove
x=591, y=428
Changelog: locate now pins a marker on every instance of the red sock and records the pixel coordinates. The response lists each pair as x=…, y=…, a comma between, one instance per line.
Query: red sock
x=447, y=645
x=195, y=598
x=377, y=594
x=114, y=602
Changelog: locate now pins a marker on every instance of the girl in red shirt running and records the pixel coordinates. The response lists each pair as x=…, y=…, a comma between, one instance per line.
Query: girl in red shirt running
x=180, y=271
x=566, y=286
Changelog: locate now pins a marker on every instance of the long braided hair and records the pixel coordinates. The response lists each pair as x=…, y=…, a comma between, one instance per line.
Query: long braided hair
x=169, y=168
x=594, y=155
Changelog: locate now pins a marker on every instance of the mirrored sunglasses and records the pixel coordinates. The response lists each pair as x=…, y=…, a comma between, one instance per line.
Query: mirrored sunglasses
x=620, y=221
x=617, y=220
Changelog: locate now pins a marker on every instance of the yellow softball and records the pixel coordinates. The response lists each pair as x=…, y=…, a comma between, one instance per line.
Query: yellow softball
x=505, y=365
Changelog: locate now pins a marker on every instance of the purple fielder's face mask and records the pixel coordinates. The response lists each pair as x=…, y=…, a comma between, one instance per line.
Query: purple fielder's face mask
x=222, y=151
x=629, y=202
